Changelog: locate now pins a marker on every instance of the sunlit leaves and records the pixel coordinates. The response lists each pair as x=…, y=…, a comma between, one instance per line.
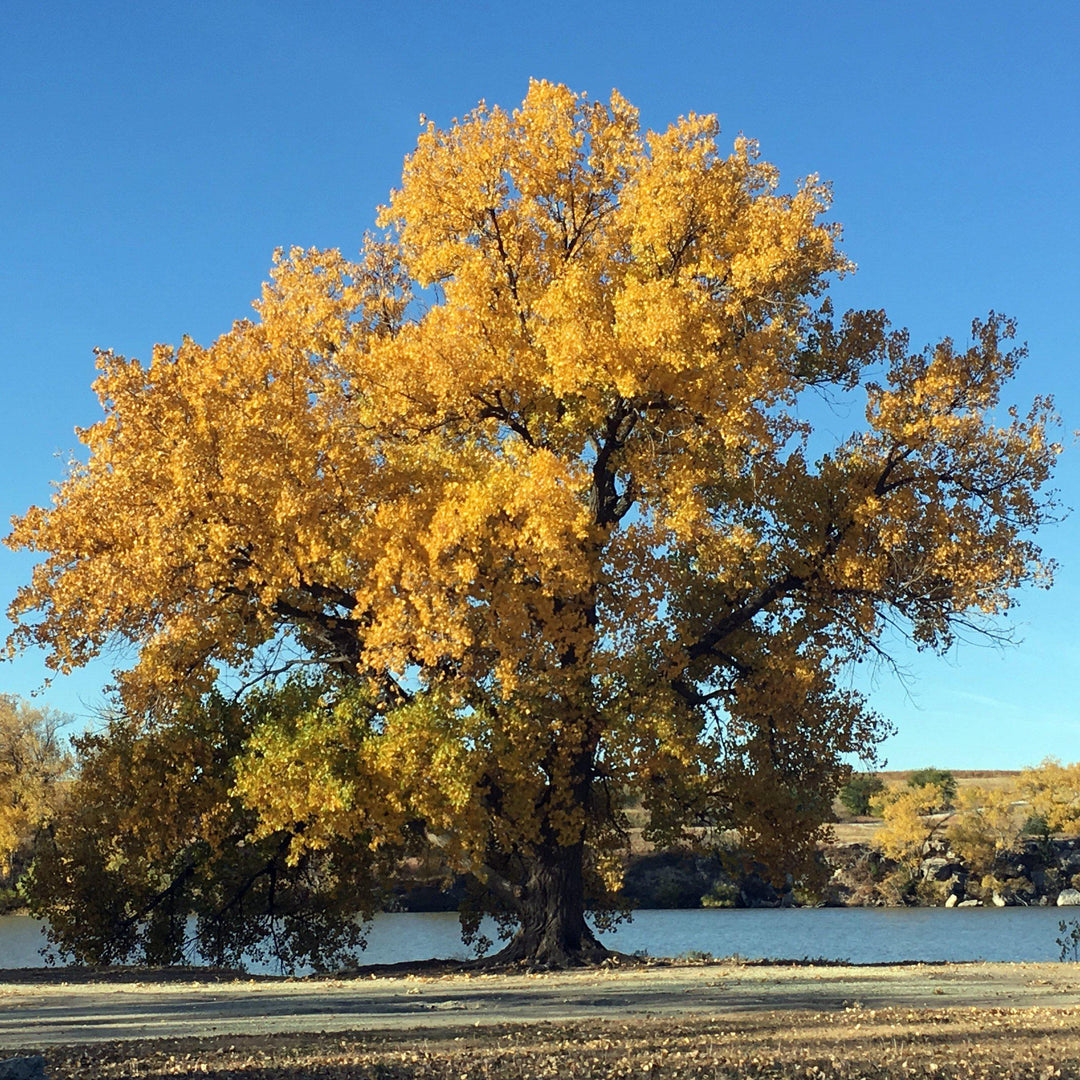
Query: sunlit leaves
x=910, y=817
x=34, y=763
x=536, y=477
x=156, y=859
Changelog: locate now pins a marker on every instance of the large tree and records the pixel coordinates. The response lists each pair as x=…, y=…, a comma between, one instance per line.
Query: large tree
x=534, y=482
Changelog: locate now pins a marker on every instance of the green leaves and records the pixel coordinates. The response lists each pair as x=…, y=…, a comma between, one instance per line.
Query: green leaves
x=156, y=860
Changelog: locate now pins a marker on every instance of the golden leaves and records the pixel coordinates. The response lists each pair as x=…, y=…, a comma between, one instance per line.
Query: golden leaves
x=33, y=764
x=542, y=449
x=911, y=816
x=1052, y=790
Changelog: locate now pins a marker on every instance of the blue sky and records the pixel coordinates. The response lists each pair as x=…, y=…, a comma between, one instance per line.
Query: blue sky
x=157, y=153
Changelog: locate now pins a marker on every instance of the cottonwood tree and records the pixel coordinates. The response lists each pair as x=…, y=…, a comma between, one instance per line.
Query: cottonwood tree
x=987, y=822
x=534, y=478
x=911, y=817
x=151, y=858
x=34, y=762
x=1051, y=792
x=991, y=820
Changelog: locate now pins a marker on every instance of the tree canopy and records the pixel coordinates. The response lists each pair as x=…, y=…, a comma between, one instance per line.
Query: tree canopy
x=942, y=779
x=533, y=484
x=859, y=790
x=151, y=834
x=34, y=762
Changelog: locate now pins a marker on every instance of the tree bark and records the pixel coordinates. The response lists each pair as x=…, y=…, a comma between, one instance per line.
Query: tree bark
x=552, y=932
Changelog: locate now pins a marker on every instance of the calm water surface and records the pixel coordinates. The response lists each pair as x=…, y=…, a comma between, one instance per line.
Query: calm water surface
x=860, y=935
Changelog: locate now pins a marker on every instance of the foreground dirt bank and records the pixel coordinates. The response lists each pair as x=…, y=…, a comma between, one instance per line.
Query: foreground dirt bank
x=39, y=1015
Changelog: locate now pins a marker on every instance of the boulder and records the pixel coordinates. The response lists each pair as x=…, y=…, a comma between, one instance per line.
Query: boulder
x=23, y=1068
x=669, y=879
x=940, y=868
x=952, y=900
x=999, y=900
x=1019, y=890
x=970, y=903
x=1068, y=898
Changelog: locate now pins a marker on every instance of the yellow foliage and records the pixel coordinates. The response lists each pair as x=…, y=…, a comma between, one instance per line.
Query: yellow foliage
x=909, y=819
x=33, y=762
x=1052, y=791
x=533, y=472
x=988, y=821
x=153, y=858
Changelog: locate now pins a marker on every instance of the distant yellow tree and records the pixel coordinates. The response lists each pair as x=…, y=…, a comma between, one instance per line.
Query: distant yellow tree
x=988, y=821
x=1052, y=791
x=532, y=481
x=910, y=817
x=33, y=761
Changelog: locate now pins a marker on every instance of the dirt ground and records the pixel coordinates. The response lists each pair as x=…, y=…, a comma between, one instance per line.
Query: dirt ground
x=883, y=1044
x=716, y=1020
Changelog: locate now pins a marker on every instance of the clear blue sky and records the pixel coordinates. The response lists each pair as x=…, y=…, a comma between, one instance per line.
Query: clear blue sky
x=155, y=154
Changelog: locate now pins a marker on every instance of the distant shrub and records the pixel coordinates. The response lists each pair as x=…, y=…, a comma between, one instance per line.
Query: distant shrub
x=808, y=896
x=723, y=894
x=931, y=893
x=695, y=956
x=940, y=778
x=859, y=790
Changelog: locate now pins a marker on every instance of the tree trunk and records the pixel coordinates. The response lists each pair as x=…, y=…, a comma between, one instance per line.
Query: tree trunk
x=552, y=932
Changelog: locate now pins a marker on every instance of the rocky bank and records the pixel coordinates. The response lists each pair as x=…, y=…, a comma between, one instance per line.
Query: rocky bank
x=1039, y=871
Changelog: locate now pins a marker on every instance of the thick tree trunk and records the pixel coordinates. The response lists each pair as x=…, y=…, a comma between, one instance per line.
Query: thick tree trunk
x=552, y=931
x=550, y=901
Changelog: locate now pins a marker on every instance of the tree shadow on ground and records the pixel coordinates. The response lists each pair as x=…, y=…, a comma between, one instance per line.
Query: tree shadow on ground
x=878, y=1044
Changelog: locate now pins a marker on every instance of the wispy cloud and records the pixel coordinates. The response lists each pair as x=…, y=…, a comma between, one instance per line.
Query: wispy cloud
x=982, y=699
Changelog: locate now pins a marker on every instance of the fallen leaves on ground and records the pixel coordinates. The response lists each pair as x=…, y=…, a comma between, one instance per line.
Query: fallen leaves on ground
x=875, y=1044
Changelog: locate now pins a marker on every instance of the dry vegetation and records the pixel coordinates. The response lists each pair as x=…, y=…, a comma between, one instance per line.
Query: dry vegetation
x=854, y=1042
x=987, y=778
x=852, y=830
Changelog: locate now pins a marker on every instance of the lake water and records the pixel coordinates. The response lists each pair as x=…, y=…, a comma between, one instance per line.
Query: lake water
x=859, y=935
